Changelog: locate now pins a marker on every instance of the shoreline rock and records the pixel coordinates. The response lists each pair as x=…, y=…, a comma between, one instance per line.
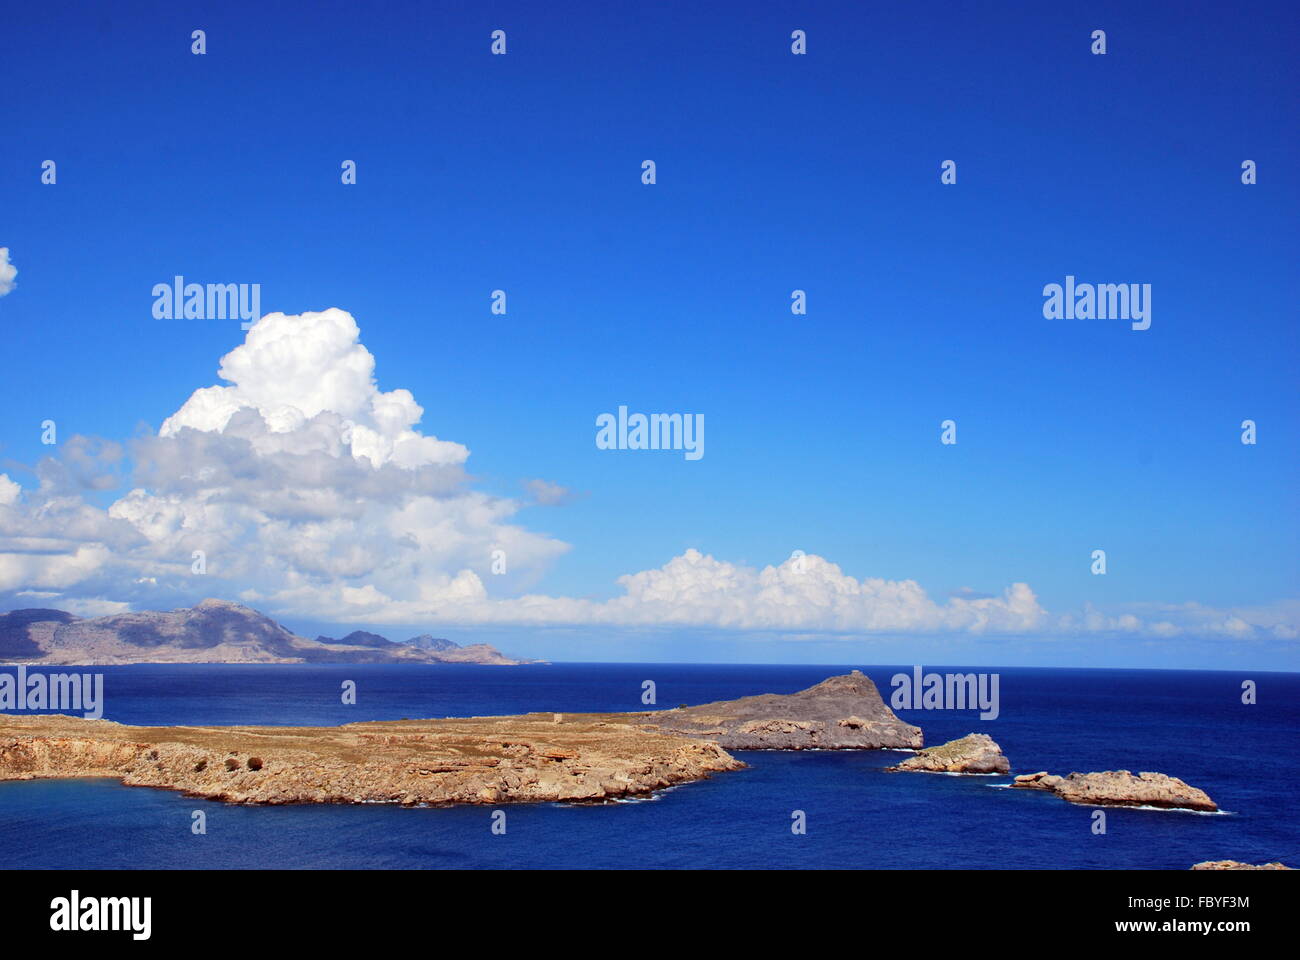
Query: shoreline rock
x=1120, y=788
x=974, y=753
x=840, y=713
x=1237, y=865
x=530, y=758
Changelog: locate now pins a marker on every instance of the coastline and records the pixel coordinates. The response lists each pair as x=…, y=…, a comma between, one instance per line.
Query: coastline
x=527, y=758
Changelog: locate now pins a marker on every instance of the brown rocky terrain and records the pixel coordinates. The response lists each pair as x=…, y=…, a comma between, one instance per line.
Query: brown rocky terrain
x=540, y=756
x=214, y=631
x=973, y=753
x=1119, y=788
x=840, y=713
x=536, y=757
x=1237, y=865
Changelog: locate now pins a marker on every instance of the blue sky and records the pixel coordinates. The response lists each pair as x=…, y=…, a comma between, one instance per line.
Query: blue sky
x=775, y=172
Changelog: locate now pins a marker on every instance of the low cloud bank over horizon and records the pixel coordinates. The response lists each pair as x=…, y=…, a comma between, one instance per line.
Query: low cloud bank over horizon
x=308, y=491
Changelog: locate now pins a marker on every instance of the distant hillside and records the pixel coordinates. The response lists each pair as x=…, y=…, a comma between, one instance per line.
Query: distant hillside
x=16, y=639
x=427, y=642
x=214, y=631
x=359, y=638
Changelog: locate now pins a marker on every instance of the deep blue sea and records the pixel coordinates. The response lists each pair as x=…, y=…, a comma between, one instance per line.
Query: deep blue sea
x=1187, y=724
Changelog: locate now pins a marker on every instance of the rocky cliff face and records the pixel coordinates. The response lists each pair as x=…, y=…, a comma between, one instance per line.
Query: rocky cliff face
x=1119, y=788
x=580, y=757
x=214, y=631
x=973, y=753
x=840, y=713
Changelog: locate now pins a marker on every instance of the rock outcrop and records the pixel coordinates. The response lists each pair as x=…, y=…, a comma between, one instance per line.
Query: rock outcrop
x=1237, y=865
x=973, y=753
x=1120, y=788
x=580, y=757
x=1037, y=781
x=214, y=631
x=840, y=713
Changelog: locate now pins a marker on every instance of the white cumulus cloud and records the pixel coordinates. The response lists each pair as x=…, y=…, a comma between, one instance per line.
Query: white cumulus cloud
x=9, y=490
x=7, y=272
x=300, y=487
x=297, y=485
x=292, y=369
x=807, y=593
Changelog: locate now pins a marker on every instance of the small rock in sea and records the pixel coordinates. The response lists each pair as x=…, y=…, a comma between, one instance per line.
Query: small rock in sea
x=973, y=753
x=1120, y=788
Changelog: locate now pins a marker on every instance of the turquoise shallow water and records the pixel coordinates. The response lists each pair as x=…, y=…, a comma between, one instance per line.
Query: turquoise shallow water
x=1187, y=724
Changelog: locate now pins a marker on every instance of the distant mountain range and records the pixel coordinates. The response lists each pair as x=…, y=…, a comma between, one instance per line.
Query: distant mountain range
x=214, y=631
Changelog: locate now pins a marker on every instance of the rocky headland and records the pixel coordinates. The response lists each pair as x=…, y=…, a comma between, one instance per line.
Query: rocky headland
x=973, y=753
x=840, y=713
x=1120, y=788
x=535, y=757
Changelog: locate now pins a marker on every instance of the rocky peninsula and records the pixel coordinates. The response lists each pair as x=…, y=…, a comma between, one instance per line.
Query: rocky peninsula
x=840, y=713
x=973, y=753
x=1120, y=788
x=535, y=757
